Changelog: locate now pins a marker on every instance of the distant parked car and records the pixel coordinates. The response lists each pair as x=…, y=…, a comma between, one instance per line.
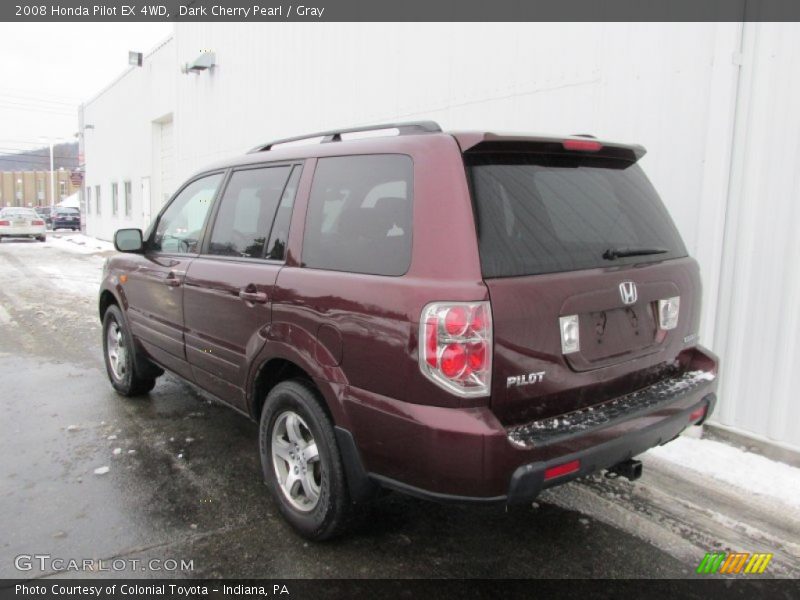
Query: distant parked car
x=18, y=221
x=46, y=212
x=67, y=218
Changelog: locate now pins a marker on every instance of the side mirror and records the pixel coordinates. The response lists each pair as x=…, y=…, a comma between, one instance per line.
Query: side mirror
x=129, y=240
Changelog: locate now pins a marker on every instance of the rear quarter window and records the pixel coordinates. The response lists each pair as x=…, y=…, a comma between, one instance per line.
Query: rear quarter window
x=359, y=215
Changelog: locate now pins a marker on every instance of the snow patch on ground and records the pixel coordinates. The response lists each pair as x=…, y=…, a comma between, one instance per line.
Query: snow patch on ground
x=747, y=471
x=80, y=243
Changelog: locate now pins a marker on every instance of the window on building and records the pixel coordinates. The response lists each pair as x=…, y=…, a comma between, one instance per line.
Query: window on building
x=359, y=215
x=114, y=198
x=40, y=189
x=88, y=200
x=128, y=199
x=179, y=227
x=246, y=212
x=276, y=248
x=97, y=199
x=62, y=189
x=18, y=189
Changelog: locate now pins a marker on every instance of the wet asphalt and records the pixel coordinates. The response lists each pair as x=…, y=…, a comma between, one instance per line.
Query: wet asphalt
x=185, y=480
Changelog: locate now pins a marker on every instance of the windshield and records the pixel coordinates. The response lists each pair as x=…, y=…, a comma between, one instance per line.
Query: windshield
x=539, y=213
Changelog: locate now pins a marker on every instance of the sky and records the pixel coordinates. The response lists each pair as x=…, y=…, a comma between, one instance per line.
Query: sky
x=47, y=69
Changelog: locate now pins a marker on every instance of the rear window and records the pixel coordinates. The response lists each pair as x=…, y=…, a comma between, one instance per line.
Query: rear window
x=18, y=212
x=67, y=211
x=539, y=213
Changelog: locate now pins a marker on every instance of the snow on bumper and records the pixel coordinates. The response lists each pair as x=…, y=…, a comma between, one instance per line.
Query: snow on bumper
x=548, y=430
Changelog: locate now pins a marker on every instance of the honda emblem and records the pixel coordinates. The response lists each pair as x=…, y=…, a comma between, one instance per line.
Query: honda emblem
x=627, y=291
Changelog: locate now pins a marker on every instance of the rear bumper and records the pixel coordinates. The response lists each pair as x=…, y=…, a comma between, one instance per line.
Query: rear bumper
x=528, y=480
x=23, y=231
x=467, y=455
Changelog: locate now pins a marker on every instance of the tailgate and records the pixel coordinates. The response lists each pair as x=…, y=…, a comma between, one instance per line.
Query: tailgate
x=621, y=347
x=576, y=241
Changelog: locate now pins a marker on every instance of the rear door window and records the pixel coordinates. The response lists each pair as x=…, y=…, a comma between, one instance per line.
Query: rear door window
x=279, y=237
x=246, y=212
x=538, y=213
x=359, y=215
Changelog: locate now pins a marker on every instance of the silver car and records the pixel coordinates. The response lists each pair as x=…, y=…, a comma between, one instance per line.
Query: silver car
x=18, y=221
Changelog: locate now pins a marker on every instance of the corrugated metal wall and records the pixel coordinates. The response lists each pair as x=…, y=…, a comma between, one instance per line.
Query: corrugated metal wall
x=757, y=323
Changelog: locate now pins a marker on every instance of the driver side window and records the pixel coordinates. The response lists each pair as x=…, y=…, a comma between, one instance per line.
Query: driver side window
x=180, y=226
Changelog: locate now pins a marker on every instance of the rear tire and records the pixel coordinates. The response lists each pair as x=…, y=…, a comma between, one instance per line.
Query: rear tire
x=118, y=351
x=301, y=463
x=41, y=238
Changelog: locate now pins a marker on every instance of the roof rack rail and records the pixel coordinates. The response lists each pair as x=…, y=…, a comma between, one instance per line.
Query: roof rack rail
x=336, y=134
x=586, y=135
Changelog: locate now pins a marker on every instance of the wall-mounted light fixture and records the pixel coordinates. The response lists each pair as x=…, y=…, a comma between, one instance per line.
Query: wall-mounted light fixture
x=134, y=58
x=207, y=60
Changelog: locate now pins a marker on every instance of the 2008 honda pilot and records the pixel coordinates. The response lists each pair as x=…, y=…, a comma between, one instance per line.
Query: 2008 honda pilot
x=462, y=317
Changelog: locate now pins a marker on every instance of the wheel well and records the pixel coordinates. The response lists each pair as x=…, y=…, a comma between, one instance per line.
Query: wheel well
x=270, y=375
x=106, y=300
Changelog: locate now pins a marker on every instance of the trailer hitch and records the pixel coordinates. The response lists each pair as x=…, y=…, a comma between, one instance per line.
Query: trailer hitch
x=629, y=469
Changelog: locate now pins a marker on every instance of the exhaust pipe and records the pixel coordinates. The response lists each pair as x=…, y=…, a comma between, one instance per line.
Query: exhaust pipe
x=629, y=469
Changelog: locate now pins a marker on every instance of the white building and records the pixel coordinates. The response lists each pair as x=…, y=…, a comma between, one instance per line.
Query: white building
x=714, y=104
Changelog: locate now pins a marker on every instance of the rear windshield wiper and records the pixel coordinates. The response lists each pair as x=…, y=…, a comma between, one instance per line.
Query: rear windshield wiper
x=615, y=253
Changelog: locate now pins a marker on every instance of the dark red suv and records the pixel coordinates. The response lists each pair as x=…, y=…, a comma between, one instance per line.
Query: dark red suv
x=458, y=316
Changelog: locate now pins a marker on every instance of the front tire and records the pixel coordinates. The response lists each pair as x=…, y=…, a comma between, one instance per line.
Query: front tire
x=41, y=238
x=118, y=352
x=301, y=463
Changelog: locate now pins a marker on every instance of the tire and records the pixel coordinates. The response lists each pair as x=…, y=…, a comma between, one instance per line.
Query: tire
x=329, y=514
x=41, y=238
x=120, y=365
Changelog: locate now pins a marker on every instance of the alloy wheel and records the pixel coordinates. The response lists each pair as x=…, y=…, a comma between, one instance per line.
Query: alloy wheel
x=295, y=459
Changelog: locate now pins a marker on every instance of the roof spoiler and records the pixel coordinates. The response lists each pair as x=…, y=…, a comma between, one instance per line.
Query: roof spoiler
x=578, y=144
x=336, y=134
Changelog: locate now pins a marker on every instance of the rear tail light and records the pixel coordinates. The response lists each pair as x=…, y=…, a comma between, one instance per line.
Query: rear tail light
x=668, y=311
x=583, y=145
x=563, y=469
x=37, y=222
x=570, y=334
x=456, y=346
x=5, y=223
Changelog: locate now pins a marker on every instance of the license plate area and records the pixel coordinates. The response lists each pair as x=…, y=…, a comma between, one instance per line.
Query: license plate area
x=612, y=336
x=617, y=331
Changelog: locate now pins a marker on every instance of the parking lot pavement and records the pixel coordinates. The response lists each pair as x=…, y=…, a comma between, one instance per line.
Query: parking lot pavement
x=183, y=478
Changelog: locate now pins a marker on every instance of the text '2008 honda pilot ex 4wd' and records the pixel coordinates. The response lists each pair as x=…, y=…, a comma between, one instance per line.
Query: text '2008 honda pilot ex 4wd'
x=462, y=317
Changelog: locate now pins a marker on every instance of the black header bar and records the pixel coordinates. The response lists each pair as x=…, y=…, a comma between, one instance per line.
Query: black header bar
x=399, y=10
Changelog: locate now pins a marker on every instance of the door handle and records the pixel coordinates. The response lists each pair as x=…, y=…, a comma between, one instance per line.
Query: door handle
x=250, y=296
x=171, y=280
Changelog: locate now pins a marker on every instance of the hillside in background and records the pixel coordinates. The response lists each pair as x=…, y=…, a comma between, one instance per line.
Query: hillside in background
x=64, y=155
